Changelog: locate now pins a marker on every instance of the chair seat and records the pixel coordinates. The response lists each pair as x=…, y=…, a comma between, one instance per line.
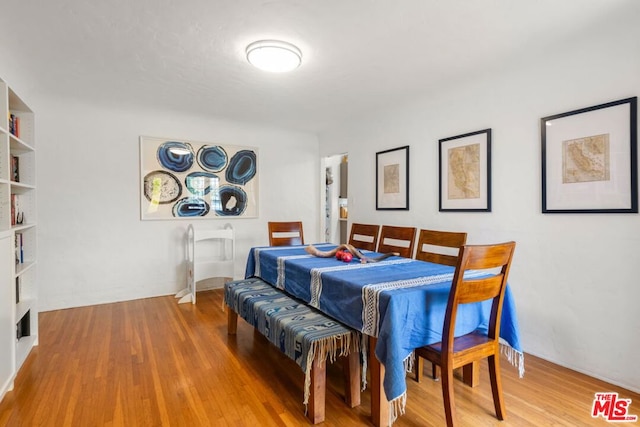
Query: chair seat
x=474, y=342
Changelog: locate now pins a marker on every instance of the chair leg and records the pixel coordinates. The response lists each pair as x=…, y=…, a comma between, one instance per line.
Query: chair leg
x=418, y=366
x=435, y=372
x=447, y=396
x=471, y=374
x=496, y=386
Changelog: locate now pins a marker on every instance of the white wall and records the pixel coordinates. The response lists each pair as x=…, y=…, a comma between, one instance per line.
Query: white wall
x=574, y=276
x=93, y=247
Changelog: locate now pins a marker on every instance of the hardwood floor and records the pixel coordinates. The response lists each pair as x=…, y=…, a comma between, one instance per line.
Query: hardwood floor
x=153, y=362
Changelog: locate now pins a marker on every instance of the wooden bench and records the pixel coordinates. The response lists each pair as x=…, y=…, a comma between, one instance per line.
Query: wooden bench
x=303, y=333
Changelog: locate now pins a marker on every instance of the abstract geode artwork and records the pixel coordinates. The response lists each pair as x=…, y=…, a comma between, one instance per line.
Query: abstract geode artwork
x=187, y=179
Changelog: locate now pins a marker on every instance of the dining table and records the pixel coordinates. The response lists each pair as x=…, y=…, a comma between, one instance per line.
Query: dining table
x=398, y=304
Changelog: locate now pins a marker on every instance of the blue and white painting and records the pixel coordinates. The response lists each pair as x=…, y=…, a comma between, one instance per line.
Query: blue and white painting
x=186, y=179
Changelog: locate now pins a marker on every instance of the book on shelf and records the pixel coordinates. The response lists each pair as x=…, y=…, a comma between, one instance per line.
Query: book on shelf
x=14, y=200
x=15, y=169
x=23, y=327
x=19, y=248
x=17, y=289
x=14, y=124
x=17, y=217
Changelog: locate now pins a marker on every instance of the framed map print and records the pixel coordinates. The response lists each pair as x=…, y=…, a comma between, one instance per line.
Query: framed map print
x=465, y=172
x=589, y=159
x=392, y=179
x=182, y=179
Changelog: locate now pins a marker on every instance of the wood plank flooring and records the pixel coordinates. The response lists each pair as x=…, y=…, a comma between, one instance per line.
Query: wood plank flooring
x=152, y=362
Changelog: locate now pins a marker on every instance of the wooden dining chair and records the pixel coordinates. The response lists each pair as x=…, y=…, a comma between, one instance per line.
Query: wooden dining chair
x=454, y=352
x=364, y=236
x=286, y=233
x=439, y=247
x=397, y=239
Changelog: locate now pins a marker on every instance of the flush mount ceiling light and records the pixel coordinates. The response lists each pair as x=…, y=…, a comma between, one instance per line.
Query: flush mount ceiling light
x=274, y=56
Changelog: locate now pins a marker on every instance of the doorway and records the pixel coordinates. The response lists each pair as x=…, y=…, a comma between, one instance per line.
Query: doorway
x=335, y=198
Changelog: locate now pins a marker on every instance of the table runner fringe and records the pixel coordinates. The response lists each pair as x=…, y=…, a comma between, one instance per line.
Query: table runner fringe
x=329, y=348
x=409, y=362
x=515, y=357
x=364, y=348
x=397, y=407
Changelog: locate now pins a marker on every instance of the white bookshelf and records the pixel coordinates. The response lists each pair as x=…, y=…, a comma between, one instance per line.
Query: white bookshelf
x=18, y=285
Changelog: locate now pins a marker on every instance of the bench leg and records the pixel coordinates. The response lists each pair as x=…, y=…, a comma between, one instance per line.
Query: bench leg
x=315, y=411
x=232, y=321
x=351, y=369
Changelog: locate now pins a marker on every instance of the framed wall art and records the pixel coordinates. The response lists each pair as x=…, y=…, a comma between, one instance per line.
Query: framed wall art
x=589, y=159
x=189, y=180
x=392, y=179
x=465, y=172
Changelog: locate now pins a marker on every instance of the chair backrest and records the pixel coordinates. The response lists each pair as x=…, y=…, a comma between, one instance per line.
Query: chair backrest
x=496, y=261
x=442, y=247
x=364, y=236
x=397, y=239
x=286, y=233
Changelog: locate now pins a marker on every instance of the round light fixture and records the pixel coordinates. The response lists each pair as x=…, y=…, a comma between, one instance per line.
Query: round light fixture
x=274, y=56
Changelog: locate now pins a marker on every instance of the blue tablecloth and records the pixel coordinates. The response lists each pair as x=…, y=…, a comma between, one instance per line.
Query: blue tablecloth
x=400, y=301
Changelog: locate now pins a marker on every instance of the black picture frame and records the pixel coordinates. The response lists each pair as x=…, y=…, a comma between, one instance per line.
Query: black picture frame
x=464, y=167
x=392, y=179
x=589, y=159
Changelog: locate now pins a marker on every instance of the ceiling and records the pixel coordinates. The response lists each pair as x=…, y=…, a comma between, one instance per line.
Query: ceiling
x=358, y=55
